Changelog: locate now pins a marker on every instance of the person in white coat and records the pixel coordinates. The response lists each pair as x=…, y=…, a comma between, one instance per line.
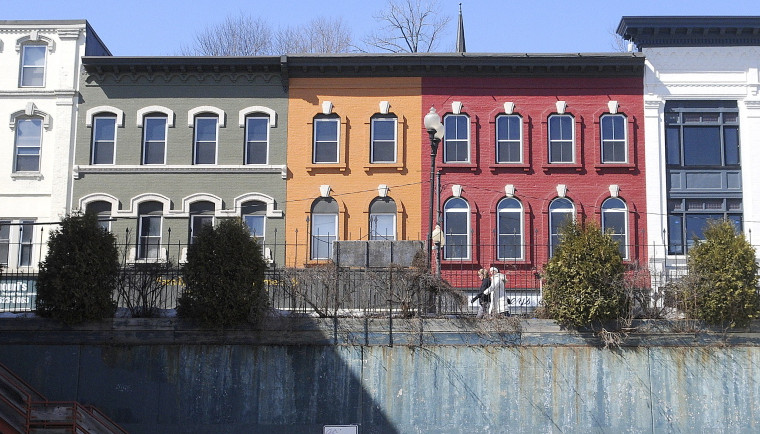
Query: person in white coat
x=499, y=299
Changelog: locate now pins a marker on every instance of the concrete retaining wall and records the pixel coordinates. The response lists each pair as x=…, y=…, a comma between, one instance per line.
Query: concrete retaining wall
x=169, y=378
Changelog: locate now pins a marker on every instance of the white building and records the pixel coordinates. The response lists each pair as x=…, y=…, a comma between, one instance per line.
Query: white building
x=702, y=128
x=39, y=83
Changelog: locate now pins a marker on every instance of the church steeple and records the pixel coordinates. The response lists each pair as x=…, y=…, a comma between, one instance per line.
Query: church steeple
x=460, y=33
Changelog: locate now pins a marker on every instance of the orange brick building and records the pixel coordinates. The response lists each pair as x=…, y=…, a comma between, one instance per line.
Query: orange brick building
x=354, y=163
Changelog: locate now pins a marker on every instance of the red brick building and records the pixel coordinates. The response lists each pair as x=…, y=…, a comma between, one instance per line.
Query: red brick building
x=545, y=141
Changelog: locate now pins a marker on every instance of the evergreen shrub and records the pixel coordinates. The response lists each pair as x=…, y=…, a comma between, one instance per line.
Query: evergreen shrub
x=224, y=277
x=583, y=281
x=723, y=276
x=77, y=279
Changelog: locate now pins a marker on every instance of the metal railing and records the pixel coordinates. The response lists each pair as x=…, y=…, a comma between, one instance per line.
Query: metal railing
x=149, y=286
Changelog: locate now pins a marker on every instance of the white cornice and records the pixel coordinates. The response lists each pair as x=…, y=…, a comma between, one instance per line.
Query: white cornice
x=199, y=169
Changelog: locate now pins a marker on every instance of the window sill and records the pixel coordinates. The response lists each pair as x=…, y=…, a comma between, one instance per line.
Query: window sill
x=468, y=166
x=469, y=261
x=384, y=167
x=509, y=167
x=331, y=167
x=626, y=166
x=32, y=176
x=548, y=167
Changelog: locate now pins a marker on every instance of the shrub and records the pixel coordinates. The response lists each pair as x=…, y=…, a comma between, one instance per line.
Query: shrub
x=77, y=279
x=224, y=277
x=724, y=277
x=584, y=279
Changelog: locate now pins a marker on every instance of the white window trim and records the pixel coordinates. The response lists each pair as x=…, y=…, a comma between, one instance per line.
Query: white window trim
x=115, y=134
x=625, y=137
x=161, y=254
x=14, y=243
x=469, y=141
x=264, y=226
x=260, y=197
x=253, y=110
x=103, y=110
x=311, y=235
x=624, y=210
x=39, y=147
x=166, y=141
x=99, y=197
x=337, y=144
x=520, y=140
x=141, y=113
x=197, y=112
x=468, y=244
x=572, y=213
x=245, y=132
x=200, y=197
x=572, y=135
x=384, y=118
x=23, y=47
x=216, y=139
x=521, y=218
x=393, y=215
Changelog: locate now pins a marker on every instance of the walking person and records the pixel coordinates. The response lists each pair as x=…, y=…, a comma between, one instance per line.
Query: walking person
x=499, y=298
x=484, y=295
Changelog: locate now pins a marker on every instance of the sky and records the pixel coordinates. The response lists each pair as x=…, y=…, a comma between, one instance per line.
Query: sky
x=163, y=27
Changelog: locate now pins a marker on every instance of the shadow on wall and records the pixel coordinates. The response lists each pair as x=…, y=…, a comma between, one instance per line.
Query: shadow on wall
x=156, y=376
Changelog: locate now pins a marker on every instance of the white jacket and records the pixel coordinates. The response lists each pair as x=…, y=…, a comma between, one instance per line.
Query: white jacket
x=498, y=298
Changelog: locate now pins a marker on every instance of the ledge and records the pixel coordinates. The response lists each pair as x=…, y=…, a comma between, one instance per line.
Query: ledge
x=367, y=331
x=185, y=168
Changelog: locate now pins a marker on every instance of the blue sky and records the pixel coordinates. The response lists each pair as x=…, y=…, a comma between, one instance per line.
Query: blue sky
x=162, y=27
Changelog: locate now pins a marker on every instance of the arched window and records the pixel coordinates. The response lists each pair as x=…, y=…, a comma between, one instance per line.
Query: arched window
x=201, y=214
x=561, y=210
x=456, y=140
x=456, y=227
x=150, y=217
x=615, y=222
x=561, y=139
x=254, y=215
x=382, y=219
x=324, y=227
x=509, y=224
x=102, y=210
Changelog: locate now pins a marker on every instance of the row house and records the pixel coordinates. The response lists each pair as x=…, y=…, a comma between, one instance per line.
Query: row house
x=702, y=122
x=530, y=141
x=543, y=140
x=39, y=84
x=167, y=145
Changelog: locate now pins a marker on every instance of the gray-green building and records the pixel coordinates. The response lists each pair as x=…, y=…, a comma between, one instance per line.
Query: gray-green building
x=166, y=145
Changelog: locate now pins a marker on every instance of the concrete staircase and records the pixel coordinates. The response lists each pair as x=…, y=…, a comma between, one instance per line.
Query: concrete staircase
x=24, y=410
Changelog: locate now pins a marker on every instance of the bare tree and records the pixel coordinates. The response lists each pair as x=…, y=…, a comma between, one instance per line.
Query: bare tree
x=411, y=26
x=244, y=35
x=320, y=35
x=241, y=35
x=617, y=42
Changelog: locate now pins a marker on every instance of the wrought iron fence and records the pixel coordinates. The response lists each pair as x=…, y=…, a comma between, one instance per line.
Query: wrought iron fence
x=148, y=285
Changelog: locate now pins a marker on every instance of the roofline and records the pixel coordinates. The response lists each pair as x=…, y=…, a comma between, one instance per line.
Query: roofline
x=386, y=65
x=41, y=22
x=684, y=31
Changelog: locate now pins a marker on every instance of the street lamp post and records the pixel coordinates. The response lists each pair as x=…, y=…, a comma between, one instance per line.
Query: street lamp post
x=435, y=130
